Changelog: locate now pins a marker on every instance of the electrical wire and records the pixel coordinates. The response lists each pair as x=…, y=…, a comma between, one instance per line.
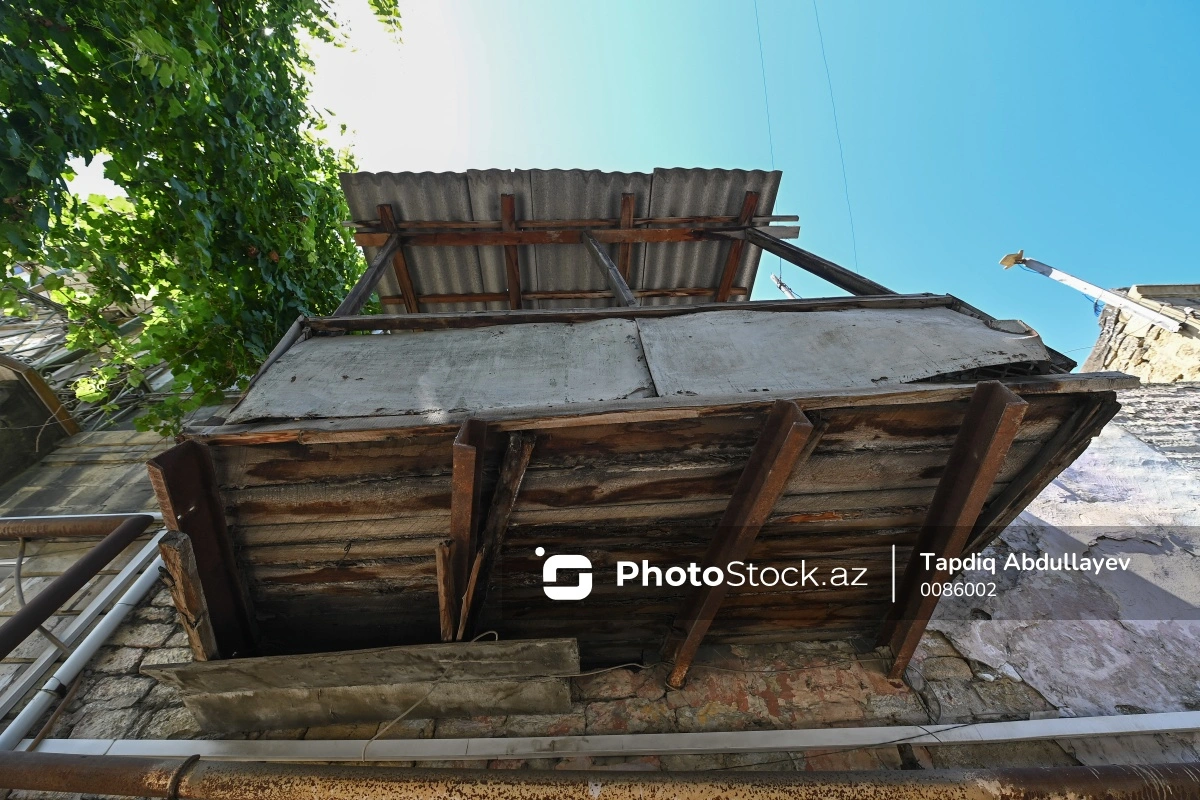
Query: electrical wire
x=762, y=63
x=838, y=132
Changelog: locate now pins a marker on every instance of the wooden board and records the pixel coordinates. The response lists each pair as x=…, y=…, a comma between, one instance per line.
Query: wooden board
x=443, y=680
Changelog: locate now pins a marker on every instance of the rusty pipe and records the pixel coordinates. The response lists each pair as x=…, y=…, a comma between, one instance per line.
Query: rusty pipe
x=225, y=780
x=61, y=527
x=23, y=623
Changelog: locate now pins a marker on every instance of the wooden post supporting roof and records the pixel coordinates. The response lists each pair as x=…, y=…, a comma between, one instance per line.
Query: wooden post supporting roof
x=992, y=420
x=387, y=221
x=180, y=563
x=466, y=482
x=185, y=484
x=512, y=472
x=512, y=265
x=447, y=593
x=787, y=438
x=749, y=204
x=839, y=276
x=625, y=249
x=370, y=279
x=617, y=283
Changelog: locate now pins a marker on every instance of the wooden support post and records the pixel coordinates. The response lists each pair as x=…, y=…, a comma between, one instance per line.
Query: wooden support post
x=387, y=221
x=625, y=249
x=447, y=595
x=734, y=257
x=618, y=285
x=512, y=472
x=186, y=486
x=992, y=420
x=839, y=276
x=180, y=563
x=370, y=279
x=466, y=481
x=787, y=439
x=512, y=265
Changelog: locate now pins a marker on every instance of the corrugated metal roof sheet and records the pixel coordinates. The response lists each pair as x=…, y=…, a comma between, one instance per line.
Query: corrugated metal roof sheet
x=566, y=195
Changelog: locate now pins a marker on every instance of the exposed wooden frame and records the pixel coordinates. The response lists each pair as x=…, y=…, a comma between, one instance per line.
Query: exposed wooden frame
x=734, y=257
x=387, y=221
x=787, y=438
x=466, y=484
x=185, y=483
x=625, y=251
x=989, y=427
x=613, y=275
x=180, y=563
x=443, y=555
x=823, y=268
x=565, y=236
x=512, y=264
x=366, y=284
x=595, y=294
x=37, y=384
x=512, y=472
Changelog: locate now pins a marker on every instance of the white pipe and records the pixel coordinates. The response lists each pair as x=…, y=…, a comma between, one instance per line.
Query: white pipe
x=41, y=702
x=29, y=677
x=783, y=287
x=640, y=744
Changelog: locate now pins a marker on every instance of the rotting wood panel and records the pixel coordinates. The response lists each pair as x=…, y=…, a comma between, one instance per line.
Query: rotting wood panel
x=297, y=691
x=336, y=543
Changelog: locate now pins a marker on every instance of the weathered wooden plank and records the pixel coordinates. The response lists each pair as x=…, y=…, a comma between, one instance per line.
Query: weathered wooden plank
x=512, y=264
x=465, y=507
x=448, y=601
x=400, y=528
x=566, y=236
x=387, y=220
x=370, y=279
x=810, y=262
x=293, y=691
x=368, y=226
x=512, y=472
x=589, y=294
x=786, y=438
x=991, y=423
x=734, y=256
x=625, y=250
x=188, y=594
x=613, y=275
x=347, y=550
x=185, y=484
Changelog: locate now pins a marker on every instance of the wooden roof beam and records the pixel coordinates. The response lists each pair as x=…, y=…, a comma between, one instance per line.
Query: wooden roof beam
x=387, y=220
x=597, y=294
x=787, y=439
x=465, y=484
x=512, y=472
x=989, y=427
x=625, y=251
x=839, y=276
x=734, y=257
x=617, y=283
x=372, y=226
x=493, y=238
x=366, y=284
x=512, y=265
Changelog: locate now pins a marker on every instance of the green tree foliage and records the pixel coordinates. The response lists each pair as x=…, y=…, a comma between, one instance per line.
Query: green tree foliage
x=231, y=227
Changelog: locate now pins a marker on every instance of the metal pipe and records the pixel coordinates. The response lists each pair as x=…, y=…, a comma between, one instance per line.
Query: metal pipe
x=56, y=686
x=75, y=577
x=204, y=780
x=65, y=526
x=29, y=677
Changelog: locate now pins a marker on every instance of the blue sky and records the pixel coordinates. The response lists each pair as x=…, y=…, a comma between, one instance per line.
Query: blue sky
x=970, y=129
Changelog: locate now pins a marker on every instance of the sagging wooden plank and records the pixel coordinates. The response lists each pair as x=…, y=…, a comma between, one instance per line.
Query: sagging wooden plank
x=786, y=437
x=566, y=236
x=370, y=279
x=188, y=595
x=810, y=262
x=441, y=680
x=734, y=257
x=512, y=472
x=625, y=250
x=387, y=219
x=466, y=484
x=185, y=483
x=447, y=593
x=512, y=264
x=416, y=225
x=989, y=427
x=615, y=281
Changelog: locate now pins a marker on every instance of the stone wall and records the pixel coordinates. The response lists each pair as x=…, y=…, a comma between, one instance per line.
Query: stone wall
x=1132, y=345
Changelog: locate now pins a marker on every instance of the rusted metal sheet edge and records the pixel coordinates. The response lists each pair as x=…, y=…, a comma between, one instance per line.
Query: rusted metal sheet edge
x=639, y=744
x=645, y=409
x=197, y=778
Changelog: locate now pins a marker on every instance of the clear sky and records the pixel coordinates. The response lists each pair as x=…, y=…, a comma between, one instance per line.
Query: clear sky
x=970, y=129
